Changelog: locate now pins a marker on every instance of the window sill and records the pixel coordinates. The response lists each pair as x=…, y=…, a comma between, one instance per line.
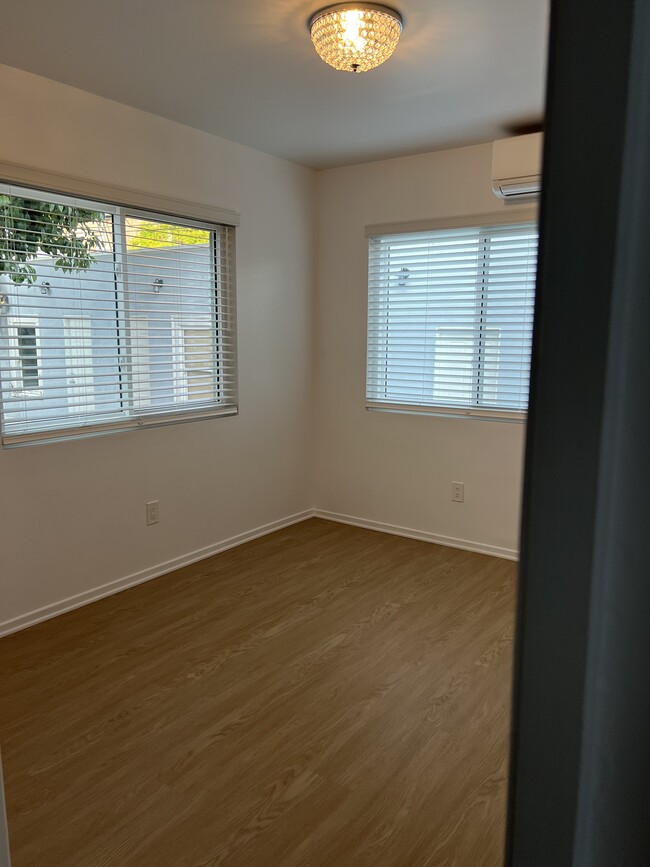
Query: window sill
x=477, y=414
x=13, y=440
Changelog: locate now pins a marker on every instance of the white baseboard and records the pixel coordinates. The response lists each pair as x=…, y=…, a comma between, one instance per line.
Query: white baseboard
x=56, y=608
x=422, y=535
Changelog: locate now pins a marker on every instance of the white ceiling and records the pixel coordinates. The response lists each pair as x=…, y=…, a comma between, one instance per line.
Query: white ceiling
x=246, y=70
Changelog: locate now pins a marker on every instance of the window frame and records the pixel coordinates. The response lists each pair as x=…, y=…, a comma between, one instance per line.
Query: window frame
x=181, y=324
x=515, y=215
x=122, y=204
x=14, y=323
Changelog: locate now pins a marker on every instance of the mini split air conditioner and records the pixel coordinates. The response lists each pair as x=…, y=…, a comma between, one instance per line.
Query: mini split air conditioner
x=517, y=166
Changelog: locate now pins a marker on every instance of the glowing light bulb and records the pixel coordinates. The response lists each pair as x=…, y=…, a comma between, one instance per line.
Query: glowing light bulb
x=352, y=21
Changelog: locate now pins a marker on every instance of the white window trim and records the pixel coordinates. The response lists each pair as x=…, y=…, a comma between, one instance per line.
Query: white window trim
x=106, y=194
x=491, y=218
x=512, y=216
x=476, y=414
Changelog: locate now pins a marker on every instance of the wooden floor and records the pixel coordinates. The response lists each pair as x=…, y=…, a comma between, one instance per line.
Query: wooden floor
x=325, y=695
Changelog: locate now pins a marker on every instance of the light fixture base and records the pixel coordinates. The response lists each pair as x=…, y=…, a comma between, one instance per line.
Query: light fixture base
x=347, y=7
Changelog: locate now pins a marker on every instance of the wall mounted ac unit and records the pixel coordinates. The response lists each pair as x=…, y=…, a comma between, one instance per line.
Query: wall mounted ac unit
x=517, y=166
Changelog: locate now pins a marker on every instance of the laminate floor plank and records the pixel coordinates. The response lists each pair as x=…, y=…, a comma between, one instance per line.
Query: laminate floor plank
x=325, y=695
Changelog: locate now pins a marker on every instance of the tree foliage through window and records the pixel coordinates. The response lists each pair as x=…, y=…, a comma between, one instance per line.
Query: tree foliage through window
x=29, y=227
x=151, y=235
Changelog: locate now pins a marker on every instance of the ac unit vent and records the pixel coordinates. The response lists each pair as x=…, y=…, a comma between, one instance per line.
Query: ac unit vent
x=516, y=166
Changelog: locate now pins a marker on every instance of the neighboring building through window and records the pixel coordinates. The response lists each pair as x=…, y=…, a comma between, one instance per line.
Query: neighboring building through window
x=132, y=325
x=195, y=347
x=450, y=315
x=23, y=357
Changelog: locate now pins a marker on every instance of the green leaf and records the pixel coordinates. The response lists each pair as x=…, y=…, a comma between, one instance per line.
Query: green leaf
x=29, y=227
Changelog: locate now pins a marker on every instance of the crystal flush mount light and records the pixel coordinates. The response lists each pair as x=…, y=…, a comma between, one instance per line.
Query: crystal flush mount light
x=355, y=37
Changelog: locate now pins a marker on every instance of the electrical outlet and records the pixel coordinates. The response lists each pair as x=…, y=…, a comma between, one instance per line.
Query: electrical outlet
x=458, y=492
x=153, y=512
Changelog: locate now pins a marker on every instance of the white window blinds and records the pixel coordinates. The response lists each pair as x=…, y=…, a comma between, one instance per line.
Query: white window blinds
x=111, y=318
x=450, y=315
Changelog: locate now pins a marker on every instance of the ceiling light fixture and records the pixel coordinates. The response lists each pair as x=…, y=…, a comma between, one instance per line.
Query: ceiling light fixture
x=355, y=37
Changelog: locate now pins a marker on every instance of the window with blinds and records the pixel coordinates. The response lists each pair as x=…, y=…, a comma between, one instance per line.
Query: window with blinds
x=450, y=316
x=110, y=317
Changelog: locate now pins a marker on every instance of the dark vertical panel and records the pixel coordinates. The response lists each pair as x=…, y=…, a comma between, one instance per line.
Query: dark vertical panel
x=585, y=130
x=613, y=826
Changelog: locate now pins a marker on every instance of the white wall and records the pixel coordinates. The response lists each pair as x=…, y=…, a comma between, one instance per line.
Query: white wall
x=383, y=467
x=72, y=515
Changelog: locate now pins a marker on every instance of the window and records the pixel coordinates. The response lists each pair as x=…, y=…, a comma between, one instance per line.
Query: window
x=114, y=317
x=23, y=346
x=194, y=348
x=450, y=315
